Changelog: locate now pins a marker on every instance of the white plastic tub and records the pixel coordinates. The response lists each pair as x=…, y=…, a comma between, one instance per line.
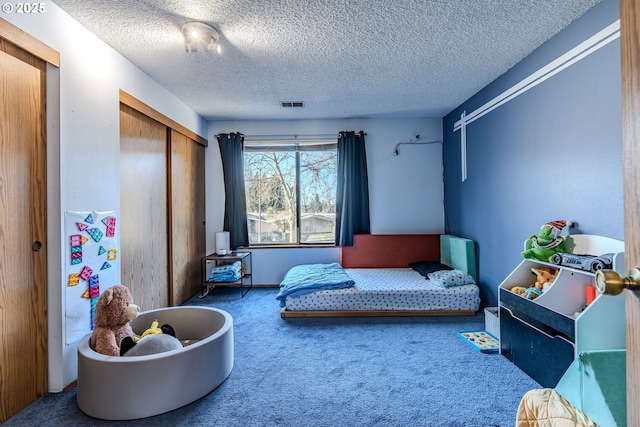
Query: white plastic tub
x=125, y=388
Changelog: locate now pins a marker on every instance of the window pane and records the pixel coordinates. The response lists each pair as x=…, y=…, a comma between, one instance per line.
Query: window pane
x=275, y=199
x=270, y=192
x=318, y=196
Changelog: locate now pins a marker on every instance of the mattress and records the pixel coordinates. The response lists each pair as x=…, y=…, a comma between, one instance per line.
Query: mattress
x=389, y=289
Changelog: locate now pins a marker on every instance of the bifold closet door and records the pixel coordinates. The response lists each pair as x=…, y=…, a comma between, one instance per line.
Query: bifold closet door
x=187, y=215
x=23, y=230
x=144, y=236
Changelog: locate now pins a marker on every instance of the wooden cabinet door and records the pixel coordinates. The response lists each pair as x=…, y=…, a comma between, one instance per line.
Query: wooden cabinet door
x=187, y=216
x=630, y=62
x=23, y=245
x=144, y=241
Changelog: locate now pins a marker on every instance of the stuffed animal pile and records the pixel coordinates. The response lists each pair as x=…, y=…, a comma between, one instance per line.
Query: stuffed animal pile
x=153, y=340
x=544, y=280
x=528, y=293
x=112, y=334
x=547, y=242
x=542, y=247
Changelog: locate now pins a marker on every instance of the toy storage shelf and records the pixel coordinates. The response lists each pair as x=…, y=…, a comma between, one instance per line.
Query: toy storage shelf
x=543, y=336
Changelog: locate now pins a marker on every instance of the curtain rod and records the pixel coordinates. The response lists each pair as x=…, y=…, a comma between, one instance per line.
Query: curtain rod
x=293, y=136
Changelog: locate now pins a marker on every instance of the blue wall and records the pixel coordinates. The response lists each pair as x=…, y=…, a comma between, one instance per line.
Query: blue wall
x=554, y=152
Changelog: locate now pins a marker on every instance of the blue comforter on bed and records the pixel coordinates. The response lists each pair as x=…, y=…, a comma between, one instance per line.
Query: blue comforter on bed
x=308, y=278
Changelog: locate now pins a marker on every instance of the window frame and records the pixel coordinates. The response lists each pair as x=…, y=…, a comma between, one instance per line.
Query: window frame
x=297, y=146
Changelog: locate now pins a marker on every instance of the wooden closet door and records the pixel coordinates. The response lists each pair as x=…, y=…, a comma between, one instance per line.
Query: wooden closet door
x=630, y=59
x=144, y=240
x=187, y=215
x=23, y=246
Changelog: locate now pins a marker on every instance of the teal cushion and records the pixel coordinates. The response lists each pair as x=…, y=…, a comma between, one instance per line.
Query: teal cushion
x=459, y=253
x=595, y=383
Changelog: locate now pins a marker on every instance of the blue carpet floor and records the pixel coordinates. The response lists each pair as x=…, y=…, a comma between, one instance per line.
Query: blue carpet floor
x=334, y=372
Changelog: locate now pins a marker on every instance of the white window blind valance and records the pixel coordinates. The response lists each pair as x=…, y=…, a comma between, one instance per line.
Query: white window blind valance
x=290, y=143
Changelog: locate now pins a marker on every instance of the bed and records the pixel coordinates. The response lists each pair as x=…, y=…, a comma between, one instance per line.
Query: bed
x=384, y=283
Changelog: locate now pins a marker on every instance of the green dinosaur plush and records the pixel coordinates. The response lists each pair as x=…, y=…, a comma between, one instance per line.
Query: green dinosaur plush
x=548, y=242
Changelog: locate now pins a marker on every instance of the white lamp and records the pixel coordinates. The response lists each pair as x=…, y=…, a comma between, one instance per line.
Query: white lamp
x=222, y=243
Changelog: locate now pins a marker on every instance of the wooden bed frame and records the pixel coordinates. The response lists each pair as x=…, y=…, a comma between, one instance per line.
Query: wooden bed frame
x=397, y=251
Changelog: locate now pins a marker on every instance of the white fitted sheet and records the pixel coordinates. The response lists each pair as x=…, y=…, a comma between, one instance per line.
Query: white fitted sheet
x=389, y=289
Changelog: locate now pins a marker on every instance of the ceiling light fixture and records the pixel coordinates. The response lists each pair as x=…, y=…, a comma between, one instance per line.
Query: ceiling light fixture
x=199, y=36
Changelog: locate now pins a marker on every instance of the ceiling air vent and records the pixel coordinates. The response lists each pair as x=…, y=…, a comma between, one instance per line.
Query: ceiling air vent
x=292, y=104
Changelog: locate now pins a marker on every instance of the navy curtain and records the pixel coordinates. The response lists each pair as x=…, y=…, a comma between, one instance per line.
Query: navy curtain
x=235, y=204
x=352, y=203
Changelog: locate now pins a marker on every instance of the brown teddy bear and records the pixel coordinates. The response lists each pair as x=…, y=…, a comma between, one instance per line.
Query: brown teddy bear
x=114, y=310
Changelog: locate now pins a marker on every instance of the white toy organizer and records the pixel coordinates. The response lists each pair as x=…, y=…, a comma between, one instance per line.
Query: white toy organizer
x=559, y=323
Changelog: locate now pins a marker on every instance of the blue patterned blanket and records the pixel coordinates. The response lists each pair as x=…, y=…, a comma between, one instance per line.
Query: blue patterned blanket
x=308, y=278
x=226, y=273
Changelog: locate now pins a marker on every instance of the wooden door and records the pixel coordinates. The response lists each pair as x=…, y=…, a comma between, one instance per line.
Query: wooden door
x=630, y=61
x=144, y=241
x=187, y=216
x=23, y=245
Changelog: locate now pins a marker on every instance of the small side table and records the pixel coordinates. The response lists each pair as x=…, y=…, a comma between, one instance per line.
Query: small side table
x=242, y=256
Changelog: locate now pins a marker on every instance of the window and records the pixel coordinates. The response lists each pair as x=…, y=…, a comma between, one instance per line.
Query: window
x=291, y=191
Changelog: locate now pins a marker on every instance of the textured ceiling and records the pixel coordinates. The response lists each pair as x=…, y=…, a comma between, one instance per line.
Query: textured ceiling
x=342, y=58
